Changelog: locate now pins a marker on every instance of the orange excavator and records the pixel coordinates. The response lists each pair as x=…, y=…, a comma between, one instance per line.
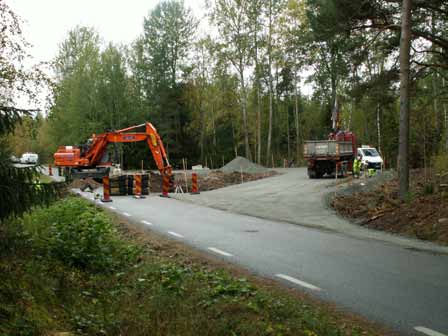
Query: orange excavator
x=92, y=159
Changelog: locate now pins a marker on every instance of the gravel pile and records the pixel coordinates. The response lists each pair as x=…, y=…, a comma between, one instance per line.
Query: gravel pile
x=240, y=163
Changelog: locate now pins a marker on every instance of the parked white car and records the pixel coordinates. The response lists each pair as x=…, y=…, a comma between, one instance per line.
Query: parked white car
x=370, y=157
x=30, y=158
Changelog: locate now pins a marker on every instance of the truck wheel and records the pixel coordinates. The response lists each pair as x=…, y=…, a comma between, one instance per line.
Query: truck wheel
x=311, y=173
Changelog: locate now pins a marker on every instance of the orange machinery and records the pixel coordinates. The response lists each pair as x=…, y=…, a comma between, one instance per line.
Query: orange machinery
x=91, y=160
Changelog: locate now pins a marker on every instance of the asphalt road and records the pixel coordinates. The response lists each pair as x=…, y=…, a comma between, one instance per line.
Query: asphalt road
x=404, y=289
x=293, y=197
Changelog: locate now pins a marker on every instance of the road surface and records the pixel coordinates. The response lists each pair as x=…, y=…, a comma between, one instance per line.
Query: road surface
x=404, y=289
x=293, y=197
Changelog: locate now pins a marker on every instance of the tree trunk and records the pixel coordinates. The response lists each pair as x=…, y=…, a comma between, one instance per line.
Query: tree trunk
x=403, y=151
x=349, y=124
x=244, y=110
x=258, y=88
x=268, y=149
x=214, y=127
x=258, y=124
x=296, y=115
x=235, y=141
x=245, y=125
x=287, y=131
x=378, y=125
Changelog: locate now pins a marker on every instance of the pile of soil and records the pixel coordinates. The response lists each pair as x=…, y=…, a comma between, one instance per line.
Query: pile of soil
x=241, y=164
x=218, y=179
x=424, y=215
x=82, y=183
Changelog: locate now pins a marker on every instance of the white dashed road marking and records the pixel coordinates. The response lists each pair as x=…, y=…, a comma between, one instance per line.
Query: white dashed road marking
x=126, y=214
x=224, y=253
x=113, y=208
x=175, y=234
x=298, y=282
x=428, y=331
x=145, y=222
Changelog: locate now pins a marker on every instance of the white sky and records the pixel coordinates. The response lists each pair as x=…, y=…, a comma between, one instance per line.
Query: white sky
x=47, y=22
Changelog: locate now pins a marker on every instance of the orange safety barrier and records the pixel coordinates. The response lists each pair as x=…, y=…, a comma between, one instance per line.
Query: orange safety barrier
x=138, y=187
x=194, y=184
x=106, y=190
x=165, y=186
x=50, y=170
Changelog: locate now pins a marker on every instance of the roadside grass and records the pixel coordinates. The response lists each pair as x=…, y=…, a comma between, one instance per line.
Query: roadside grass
x=67, y=268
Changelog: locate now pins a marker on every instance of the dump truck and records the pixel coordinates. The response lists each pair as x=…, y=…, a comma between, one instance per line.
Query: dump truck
x=333, y=156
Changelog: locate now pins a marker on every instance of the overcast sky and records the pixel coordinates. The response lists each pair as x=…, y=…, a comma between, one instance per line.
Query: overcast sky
x=47, y=22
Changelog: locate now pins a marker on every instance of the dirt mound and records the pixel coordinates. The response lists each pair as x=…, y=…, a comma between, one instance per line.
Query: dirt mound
x=217, y=179
x=241, y=164
x=82, y=183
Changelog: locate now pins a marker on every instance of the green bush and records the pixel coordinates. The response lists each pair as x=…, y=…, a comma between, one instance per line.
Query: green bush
x=80, y=235
x=441, y=163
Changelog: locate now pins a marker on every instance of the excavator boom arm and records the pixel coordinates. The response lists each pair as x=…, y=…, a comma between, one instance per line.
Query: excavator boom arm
x=96, y=151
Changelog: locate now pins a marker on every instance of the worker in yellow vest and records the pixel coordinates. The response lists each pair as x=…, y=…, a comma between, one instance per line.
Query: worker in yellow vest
x=357, y=167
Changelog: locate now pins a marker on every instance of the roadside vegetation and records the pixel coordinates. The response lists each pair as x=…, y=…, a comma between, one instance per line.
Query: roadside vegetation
x=423, y=214
x=68, y=268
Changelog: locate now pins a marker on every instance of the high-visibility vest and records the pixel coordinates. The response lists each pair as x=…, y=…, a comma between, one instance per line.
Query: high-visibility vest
x=357, y=164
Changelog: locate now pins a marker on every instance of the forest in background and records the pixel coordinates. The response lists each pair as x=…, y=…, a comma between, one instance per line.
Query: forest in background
x=237, y=90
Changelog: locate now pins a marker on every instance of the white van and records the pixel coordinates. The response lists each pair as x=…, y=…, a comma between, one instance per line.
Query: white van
x=370, y=157
x=30, y=158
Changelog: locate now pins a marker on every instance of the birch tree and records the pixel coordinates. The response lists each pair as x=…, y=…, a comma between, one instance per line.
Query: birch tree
x=232, y=21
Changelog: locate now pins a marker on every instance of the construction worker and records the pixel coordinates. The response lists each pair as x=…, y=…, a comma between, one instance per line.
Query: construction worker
x=357, y=167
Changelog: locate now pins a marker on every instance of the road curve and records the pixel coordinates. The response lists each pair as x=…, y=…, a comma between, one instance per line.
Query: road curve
x=404, y=289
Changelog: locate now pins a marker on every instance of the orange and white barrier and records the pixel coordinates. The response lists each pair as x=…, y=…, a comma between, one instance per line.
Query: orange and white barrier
x=138, y=187
x=194, y=184
x=165, y=186
x=106, y=190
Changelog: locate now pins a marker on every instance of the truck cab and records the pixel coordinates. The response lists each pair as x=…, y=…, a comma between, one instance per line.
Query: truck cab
x=370, y=157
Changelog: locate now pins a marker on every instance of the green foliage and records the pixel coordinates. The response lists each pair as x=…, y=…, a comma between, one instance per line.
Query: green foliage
x=441, y=163
x=206, y=95
x=47, y=287
x=79, y=235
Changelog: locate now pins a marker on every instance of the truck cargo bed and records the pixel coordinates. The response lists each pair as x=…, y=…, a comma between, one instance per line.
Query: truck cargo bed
x=327, y=148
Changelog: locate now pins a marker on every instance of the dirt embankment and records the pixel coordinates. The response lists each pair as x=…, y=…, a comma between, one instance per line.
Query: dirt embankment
x=424, y=215
x=217, y=179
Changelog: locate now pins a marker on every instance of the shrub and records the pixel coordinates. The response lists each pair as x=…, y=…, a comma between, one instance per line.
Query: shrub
x=441, y=163
x=80, y=235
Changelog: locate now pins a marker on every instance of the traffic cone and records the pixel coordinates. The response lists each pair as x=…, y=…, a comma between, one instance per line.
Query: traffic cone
x=194, y=184
x=165, y=186
x=138, y=187
x=50, y=170
x=106, y=190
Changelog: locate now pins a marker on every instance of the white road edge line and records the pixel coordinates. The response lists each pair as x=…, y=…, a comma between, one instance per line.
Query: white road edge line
x=126, y=214
x=298, y=282
x=224, y=253
x=113, y=208
x=145, y=222
x=175, y=234
x=428, y=331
